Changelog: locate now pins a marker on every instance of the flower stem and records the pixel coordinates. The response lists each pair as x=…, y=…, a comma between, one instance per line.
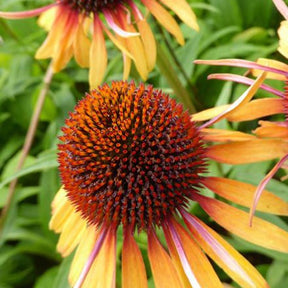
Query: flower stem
x=166, y=68
x=28, y=142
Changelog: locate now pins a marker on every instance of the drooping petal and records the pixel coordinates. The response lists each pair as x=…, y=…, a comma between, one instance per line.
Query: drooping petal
x=218, y=135
x=136, y=48
x=165, y=19
x=240, y=102
x=271, y=129
x=98, y=55
x=62, y=209
x=243, y=64
x=83, y=252
x=250, y=111
x=198, y=262
x=237, y=221
x=194, y=282
x=47, y=18
x=126, y=66
x=283, y=43
x=244, y=80
x=282, y=7
x=26, y=14
x=102, y=271
x=232, y=262
x=183, y=11
x=164, y=272
x=248, y=151
x=149, y=43
x=273, y=64
x=260, y=189
x=133, y=268
x=71, y=234
x=81, y=46
x=242, y=193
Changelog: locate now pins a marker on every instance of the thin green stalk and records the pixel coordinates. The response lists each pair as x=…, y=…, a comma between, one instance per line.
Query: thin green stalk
x=167, y=70
x=28, y=142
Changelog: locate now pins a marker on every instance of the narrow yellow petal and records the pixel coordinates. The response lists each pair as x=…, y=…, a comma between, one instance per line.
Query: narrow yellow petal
x=273, y=63
x=237, y=221
x=283, y=43
x=98, y=55
x=47, y=18
x=133, y=269
x=71, y=234
x=184, y=12
x=270, y=129
x=165, y=19
x=198, y=262
x=102, y=272
x=62, y=209
x=218, y=135
x=82, y=253
x=228, y=258
x=126, y=66
x=149, y=43
x=243, y=193
x=164, y=272
x=248, y=151
x=81, y=46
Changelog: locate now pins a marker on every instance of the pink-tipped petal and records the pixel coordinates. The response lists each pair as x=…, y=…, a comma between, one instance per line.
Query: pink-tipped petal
x=116, y=28
x=183, y=258
x=232, y=262
x=282, y=7
x=241, y=63
x=245, y=98
x=243, y=80
x=262, y=186
x=90, y=260
x=26, y=14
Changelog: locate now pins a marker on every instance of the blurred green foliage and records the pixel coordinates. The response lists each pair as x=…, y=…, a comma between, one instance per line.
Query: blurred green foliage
x=228, y=29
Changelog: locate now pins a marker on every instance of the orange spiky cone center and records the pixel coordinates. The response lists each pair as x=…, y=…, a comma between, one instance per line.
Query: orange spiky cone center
x=91, y=6
x=130, y=155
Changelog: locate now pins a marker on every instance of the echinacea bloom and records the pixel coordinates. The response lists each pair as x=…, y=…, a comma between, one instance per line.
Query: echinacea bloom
x=272, y=137
x=130, y=157
x=77, y=28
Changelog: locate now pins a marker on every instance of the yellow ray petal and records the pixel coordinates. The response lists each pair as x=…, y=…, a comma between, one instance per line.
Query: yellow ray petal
x=71, y=234
x=102, y=271
x=237, y=222
x=164, y=273
x=81, y=46
x=228, y=258
x=133, y=269
x=183, y=11
x=47, y=18
x=243, y=193
x=126, y=66
x=283, y=43
x=273, y=64
x=257, y=109
x=136, y=48
x=149, y=43
x=98, y=55
x=165, y=19
x=82, y=253
x=270, y=129
x=210, y=134
x=253, y=110
x=248, y=151
x=62, y=209
x=198, y=262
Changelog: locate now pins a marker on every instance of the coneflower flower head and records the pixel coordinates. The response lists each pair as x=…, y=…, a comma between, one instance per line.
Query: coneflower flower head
x=131, y=157
x=76, y=28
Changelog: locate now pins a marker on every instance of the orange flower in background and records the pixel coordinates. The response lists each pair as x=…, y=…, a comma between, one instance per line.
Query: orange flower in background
x=131, y=158
x=76, y=28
